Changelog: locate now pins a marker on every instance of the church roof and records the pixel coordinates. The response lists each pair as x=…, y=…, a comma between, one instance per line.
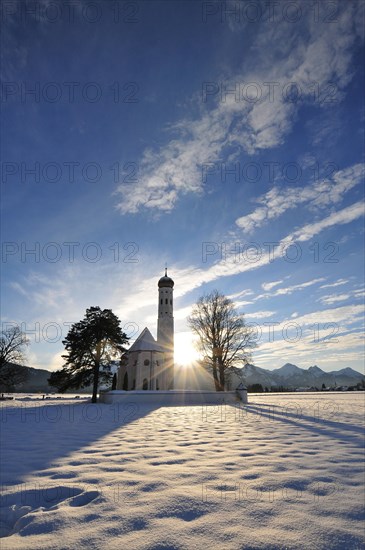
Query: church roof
x=145, y=342
x=166, y=281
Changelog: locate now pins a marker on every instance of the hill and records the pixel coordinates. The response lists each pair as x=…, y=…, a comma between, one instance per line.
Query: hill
x=36, y=382
x=292, y=376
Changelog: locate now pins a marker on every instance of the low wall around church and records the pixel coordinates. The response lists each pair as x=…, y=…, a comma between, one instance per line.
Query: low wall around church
x=171, y=397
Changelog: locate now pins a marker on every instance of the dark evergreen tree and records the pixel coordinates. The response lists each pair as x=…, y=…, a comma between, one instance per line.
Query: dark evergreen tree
x=90, y=344
x=255, y=388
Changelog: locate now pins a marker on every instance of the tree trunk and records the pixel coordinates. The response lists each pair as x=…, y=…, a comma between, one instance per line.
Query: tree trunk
x=215, y=375
x=96, y=375
x=95, y=383
x=222, y=379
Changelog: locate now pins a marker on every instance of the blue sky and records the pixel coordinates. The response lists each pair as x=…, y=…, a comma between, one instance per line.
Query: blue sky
x=225, y=139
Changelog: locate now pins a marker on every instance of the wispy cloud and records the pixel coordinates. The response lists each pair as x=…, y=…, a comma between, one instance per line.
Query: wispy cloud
x=334, y=298
x=290, y=289
x=174, y=170
x=339, y=282
x=247, y=292
x=269, y=286
x=260, y=314
x=346, y=215
x=318, y=195
x=354, y=294
x=329, y=335
x=192, y=277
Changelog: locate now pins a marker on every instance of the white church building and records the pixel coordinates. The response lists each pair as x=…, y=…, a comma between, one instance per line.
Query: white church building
x=149, y=363
x=147, y=367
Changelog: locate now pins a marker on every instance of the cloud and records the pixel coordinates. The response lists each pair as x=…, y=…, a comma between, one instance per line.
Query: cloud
x=247, y=292
x=339, y=282
x=269, y=286
x=242, y=303
x=278, y=200
x=333, y=298
x=355, y=294
x=260, y=314
x=191, y=277
x=290, y=289
x=329, y=335
x=320, y=54
x=341, y=217
x=43, y=291
x=344, y=315
x=18, y=288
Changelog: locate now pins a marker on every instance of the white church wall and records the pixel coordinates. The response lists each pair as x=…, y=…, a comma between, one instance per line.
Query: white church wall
x=170, y=397
x=142, y=365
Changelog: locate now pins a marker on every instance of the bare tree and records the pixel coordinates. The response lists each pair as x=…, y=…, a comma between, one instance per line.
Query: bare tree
x=12, y=352
x=224, y=339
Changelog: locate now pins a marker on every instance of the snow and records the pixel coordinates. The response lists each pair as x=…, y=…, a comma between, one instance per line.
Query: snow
x=287, y=370
x=347, y=371
x=284, y=471
x=315, y=371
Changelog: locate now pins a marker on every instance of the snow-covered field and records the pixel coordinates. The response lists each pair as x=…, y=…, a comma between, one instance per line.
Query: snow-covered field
x=285, y=471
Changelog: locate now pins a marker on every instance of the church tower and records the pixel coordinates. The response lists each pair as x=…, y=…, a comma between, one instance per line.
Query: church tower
x=165, y=324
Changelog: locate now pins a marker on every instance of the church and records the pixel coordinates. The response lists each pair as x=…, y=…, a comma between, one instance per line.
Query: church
x=149, y=363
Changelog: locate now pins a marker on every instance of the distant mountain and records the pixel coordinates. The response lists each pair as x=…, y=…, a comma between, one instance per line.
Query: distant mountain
x=291, y=376
x=36, y=382
x=288, y=375
x=288, y=370
x=254, y=375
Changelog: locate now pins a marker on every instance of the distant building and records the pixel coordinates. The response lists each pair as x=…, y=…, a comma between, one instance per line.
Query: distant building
x=149, y=363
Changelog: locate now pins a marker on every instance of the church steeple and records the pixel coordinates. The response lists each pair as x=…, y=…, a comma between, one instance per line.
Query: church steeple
x=165, y=281
x=165, y=323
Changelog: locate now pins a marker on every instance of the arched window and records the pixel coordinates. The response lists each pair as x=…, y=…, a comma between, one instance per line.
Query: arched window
x=125, y=382
x=171, y=302
x=166, y=301
x=161, y=301
x=145, y=384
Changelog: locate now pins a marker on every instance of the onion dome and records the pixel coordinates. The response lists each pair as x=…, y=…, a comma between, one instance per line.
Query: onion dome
x=165, y=281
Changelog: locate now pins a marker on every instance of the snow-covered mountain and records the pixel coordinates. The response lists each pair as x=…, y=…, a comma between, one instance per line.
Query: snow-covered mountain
x=291, y=376
x=255, y=375
x=288, y=370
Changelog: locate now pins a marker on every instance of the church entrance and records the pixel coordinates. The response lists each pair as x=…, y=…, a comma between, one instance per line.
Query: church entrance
x=125, y=382
x=145, y=384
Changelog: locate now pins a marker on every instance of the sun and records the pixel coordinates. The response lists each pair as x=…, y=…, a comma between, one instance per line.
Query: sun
x=185, y=352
